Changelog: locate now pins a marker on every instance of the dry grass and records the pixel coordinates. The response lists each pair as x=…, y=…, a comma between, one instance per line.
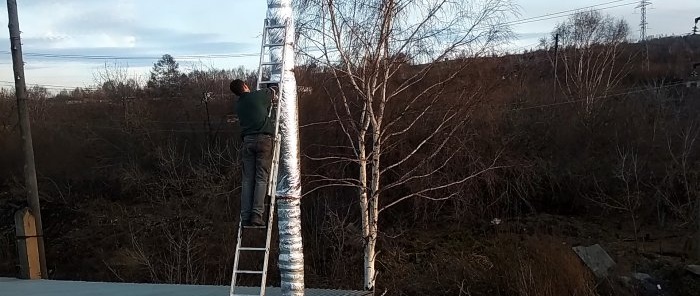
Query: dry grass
x=544, y=266
x=504, y=265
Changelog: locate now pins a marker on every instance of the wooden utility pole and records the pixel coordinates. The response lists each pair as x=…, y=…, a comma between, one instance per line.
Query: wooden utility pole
x=25, y=128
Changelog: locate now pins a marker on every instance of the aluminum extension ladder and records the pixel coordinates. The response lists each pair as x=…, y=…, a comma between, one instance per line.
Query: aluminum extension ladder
x=272, y=182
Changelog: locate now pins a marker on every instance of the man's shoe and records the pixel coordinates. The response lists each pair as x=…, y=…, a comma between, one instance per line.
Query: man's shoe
x=256, y=220
x=245, y=222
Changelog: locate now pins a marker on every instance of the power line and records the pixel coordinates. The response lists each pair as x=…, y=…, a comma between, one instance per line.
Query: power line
x=539, y=18
x=48, y=86
x=544, y=17
x=241, y=55
x=573, y=12
x=113, y=57
x=561, y=14
x=625, y=92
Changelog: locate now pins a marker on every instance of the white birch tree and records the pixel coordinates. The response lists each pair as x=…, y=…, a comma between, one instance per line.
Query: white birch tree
x=387, y=60
x=593, y=56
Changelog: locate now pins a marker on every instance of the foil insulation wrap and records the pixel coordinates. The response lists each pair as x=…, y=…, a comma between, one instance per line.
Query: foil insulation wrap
x=288, y=191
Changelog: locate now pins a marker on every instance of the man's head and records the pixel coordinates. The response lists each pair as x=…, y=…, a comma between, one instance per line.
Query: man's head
x=239, y=87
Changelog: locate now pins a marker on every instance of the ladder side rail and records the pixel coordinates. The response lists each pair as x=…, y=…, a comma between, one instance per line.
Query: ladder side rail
x=272, y=184
x=274, y=169
x=262, y=54
x=237, y=257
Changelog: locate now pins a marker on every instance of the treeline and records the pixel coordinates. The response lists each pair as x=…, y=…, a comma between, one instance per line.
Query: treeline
x=139, y=182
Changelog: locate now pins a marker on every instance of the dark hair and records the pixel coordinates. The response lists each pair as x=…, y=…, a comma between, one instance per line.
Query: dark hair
x=237, y=87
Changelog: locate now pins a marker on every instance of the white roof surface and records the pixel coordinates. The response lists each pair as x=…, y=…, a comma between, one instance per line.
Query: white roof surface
x=17, y=287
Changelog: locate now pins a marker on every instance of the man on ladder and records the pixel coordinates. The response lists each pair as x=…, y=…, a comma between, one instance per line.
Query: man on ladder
x=259, y=120
x=257, y=131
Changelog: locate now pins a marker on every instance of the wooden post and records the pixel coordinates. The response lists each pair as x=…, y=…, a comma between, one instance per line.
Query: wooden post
x=25, y=128
x=27, y=245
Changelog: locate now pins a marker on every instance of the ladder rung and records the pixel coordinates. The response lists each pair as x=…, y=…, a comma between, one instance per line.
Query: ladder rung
x=269, y=81
x=270, y=63
x=246, y=295
x=275, y=27
x=273, y=44
x=252, y=249
x=250, y=271
x=255, y=227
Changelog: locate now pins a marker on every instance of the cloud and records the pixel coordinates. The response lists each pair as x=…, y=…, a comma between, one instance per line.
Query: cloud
x=87, y=27
x=138, y=31
x=131, y=56
x=94, y=32
x=533, y=35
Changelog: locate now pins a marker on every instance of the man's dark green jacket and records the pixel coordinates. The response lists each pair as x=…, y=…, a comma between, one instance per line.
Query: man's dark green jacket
x=253, y=108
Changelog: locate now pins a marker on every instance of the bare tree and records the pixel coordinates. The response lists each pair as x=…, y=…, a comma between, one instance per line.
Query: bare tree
x=630, y=200
x=385, y=59
x=116, y=82
x=592, y=55
x=683, y=170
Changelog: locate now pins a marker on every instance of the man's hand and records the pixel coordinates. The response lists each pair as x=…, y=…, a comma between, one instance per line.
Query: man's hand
x=274, y=88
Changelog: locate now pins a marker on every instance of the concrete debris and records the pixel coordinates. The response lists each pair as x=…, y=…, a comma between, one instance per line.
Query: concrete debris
x=646, y=285
x=641, y=276
x=596, y=259
x=695, y=269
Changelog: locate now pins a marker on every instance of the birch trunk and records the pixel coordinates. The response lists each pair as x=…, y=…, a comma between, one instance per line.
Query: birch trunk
x=373, y=216
x=364, y=208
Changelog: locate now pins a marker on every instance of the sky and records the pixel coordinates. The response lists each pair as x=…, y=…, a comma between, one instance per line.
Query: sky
x=222, y=34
